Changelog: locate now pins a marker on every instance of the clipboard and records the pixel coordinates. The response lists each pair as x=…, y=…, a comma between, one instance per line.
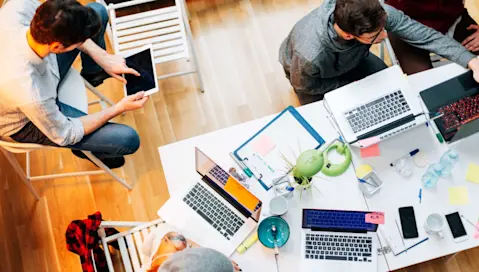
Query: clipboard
x=286, y=136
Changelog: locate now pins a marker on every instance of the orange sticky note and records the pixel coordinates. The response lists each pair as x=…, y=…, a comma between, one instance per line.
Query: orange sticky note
x=375, y=218
x=370, y=151
x=263, y=145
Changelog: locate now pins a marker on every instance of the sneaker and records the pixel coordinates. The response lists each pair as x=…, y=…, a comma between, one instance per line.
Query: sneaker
x=111, y=163
x=95, y=79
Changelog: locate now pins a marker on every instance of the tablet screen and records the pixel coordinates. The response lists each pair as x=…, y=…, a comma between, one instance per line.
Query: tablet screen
x=141, y=62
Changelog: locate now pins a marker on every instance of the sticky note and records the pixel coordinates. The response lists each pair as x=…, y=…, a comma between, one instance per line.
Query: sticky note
x=472, y=174
x=263, y=145
x=375, y=218
x=370, y=151
x=476, y=232
x=369, y=141
x=458, y=195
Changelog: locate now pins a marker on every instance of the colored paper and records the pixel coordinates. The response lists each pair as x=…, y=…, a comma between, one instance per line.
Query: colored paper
x=363, y=170
x=369, y=141
x=458, y=195
x=370, y=151
x=375, y=218
x=472, y=174
x=263, y=145
x=476, y=232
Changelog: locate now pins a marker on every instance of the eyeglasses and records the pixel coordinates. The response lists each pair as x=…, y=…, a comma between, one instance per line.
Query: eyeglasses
x=377, y=35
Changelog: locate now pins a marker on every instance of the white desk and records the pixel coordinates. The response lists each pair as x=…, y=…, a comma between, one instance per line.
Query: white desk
x=337, y=193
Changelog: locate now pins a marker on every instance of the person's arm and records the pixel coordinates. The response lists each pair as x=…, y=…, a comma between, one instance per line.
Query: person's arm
x=64, y=130
x=114, y=65
x=421, y=36
x=305, y=77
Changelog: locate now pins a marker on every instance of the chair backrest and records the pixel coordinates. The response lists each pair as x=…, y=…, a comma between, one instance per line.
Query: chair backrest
x=130, y=242
x=15, y=147
x=164, y=28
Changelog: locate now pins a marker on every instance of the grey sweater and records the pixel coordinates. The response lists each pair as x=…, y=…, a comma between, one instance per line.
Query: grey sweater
x=313, y=55
x=197, y=260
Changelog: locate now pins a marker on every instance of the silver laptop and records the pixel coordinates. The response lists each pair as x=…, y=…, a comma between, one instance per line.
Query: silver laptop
x=336, y=240
x=381, y=105
x=216, y=212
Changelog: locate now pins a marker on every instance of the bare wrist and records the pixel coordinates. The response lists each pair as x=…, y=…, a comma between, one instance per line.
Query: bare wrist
x=473, y=64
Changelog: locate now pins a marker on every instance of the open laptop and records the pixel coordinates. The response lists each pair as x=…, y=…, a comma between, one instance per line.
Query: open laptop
x=381, y=105
x=457, y=100
x=335, y=240
x=216, y=212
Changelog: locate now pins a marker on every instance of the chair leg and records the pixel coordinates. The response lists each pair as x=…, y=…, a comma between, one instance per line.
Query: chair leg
x=16, y=166
x=98, y=93
x=192, y=45
x=107, y=169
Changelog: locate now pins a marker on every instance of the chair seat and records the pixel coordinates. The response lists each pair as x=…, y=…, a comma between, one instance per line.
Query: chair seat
x=72, y=91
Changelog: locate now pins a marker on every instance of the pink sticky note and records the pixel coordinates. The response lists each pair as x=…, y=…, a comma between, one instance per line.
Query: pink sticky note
x=263, y=145
x=476, y=233
x=369, y=141
x=370, y=151
x=375, y=218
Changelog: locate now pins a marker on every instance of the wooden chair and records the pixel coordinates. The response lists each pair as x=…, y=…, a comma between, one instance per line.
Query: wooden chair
x=70, y=91
x=130, y=242
x=166, y=29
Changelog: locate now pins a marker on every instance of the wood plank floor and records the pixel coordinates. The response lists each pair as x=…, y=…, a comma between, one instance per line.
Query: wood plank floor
x=237, y=44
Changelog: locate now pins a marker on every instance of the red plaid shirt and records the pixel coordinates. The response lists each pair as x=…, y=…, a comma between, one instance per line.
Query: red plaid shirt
x=82, y=238
x=437, y=14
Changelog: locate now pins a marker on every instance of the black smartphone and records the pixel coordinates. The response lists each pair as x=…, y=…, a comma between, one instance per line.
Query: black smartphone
x=408, y=222
x=457, y=228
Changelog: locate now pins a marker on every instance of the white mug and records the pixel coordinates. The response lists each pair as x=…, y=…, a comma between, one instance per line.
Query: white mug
x=278, y=205
x=435, y=224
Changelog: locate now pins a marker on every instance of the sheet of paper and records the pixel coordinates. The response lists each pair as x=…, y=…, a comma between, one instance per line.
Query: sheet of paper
x=370, y=151
x=458, y=195
x=370, y=141
x=263, y=145
x=472, y=174
x=375, y=218
x=476, y=232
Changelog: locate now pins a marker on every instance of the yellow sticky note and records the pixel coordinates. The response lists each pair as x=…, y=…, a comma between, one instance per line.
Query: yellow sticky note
x=458, y=195
x=472, y=174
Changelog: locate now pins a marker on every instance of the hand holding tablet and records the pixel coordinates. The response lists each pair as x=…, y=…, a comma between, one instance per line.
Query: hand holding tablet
x=141, y=60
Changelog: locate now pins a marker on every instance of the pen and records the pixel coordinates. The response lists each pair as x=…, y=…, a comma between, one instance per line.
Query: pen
x=364, y=181
x=243, y=166
x=410, y=154
x=416, y=244
x=469, y=221
x=437, y=133
x=420, y=195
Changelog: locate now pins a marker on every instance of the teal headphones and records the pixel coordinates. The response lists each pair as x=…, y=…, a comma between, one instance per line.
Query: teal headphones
x=333, y=170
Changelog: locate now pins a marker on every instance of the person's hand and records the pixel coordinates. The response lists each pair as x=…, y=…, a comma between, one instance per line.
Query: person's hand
x=115, y=66
x=235, y=266
x=132, y=102
x=472, y=42
x=474, y=66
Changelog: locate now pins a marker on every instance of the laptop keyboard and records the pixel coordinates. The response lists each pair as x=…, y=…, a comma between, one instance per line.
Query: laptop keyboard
x=377, y=111
x=220, y=174
x=338, y=247
x=213, y=211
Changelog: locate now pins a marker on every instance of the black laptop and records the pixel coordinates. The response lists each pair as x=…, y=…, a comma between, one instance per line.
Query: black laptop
x=457, y=100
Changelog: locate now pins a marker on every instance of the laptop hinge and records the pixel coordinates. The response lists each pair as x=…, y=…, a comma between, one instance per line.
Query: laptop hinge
x=339, y=230
x=387, y=127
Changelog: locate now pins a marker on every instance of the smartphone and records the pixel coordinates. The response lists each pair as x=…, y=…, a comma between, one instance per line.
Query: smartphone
x=457, y=228
x=408, y=222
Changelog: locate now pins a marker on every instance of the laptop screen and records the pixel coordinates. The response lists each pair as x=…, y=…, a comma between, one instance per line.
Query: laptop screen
x=226, y=183
x=337, y=220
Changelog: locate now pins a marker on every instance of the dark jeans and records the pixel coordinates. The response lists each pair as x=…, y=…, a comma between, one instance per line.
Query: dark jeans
x=368, y=66
x=109, y=141
x=414, y=60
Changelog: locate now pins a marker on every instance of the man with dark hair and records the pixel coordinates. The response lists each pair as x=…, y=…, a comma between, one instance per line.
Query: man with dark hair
x=40, y=43
x=329, y=47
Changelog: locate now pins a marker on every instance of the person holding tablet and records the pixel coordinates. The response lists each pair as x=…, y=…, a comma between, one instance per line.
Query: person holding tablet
x=40, y=43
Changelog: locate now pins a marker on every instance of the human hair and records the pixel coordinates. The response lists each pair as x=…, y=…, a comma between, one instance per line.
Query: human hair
x=65, y=21
x=359, y=16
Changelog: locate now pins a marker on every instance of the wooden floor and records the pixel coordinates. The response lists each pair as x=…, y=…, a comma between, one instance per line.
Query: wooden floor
x=237, y=44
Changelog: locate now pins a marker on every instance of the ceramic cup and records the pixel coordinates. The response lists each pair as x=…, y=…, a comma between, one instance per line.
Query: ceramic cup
x=435, y=224
x=278, y=205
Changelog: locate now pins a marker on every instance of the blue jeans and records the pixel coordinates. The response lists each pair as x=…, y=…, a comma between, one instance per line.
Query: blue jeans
x=109, y=141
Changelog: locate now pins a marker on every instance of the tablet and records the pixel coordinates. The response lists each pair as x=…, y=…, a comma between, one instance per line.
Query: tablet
x=141, y=59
